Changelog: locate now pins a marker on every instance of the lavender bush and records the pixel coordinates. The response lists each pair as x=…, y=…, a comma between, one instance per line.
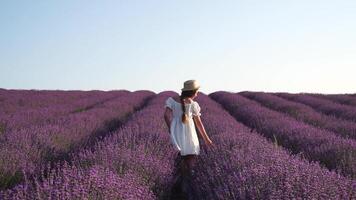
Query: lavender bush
x=322, y=105
x=140, y=147
x=70, y=182
x=338, y=98
x=28, y=148
x=315, y=144
x=39, y=109
x=247, y=166
x=304, y=113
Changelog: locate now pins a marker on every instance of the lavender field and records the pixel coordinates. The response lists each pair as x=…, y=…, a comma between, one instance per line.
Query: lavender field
x=116, y=145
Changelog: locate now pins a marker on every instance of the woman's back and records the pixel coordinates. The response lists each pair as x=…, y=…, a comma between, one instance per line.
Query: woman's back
x=183, y=135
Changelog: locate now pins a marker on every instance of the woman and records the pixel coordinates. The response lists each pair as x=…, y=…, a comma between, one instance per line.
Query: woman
x=182, y=128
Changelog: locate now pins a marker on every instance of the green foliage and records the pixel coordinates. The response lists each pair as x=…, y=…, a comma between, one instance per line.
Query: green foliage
x=275, y=141
x=79, y=110
x=2, y=128
x=9, y=180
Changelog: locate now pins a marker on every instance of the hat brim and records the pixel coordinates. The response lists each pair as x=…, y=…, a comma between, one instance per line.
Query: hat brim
x=185, y=89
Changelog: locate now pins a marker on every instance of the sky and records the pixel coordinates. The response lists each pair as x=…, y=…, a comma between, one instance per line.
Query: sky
x=271, y=46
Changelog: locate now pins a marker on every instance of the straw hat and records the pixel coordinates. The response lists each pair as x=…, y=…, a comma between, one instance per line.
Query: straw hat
x=190, y=85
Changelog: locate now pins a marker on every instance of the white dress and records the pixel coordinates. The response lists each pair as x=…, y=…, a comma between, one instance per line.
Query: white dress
x=184, y=136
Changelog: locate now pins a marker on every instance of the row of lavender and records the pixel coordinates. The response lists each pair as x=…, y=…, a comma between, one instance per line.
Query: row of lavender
x=19, y=111
x=26, y=150
x=247, y=166
x=325, y=106
x=134, y=162
x=334, y=152
x=302, y=112
x=13, y=100
x=348, y=99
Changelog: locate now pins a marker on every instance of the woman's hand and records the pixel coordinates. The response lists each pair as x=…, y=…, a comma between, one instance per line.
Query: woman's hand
x=210, y=143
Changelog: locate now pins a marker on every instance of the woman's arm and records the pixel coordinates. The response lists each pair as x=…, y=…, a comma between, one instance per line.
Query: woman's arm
x=201, y=129
x=167, y=119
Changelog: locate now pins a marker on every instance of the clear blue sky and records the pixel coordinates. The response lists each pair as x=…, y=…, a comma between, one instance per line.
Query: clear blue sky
x=286, y=45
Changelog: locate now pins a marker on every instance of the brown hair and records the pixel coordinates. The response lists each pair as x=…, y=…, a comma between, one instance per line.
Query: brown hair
x=185, y=94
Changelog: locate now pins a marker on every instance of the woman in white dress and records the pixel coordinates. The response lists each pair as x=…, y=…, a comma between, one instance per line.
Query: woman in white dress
x=182, y=128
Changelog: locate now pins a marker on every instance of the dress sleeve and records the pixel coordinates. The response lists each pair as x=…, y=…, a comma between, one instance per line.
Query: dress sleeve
x=196, y=109
x=168, y=103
